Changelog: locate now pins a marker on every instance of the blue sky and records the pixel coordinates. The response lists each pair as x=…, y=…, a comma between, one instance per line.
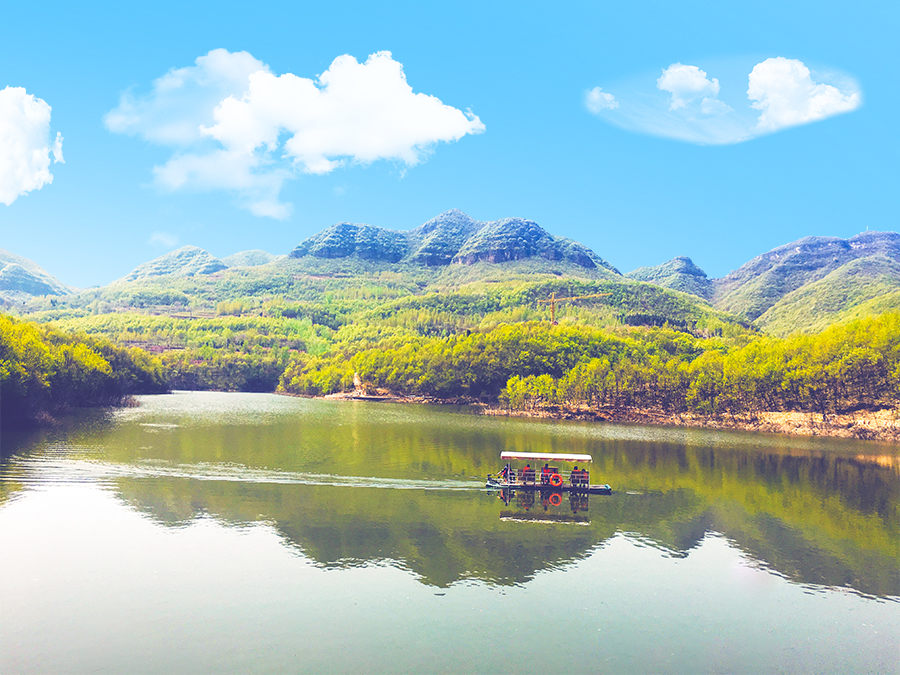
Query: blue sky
x=626, y=126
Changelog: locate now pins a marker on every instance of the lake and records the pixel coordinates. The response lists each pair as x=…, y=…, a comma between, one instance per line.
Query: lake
x=208, y=532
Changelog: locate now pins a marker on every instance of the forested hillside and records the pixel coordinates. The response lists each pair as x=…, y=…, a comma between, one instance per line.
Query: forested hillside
x=769, y=278
x=44, y=371
x=224, y=353
x=531, y=365
x=245, y=343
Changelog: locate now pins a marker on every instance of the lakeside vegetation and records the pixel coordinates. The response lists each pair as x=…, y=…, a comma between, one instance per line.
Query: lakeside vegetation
x=223, y=353
x=44, y=372
x=845, y=367
x=533, y=365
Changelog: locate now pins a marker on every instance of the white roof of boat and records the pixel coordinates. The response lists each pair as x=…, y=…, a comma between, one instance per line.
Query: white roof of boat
x=546, y=456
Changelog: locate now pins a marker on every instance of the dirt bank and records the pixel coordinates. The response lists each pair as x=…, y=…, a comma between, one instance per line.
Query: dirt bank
x=875, y=425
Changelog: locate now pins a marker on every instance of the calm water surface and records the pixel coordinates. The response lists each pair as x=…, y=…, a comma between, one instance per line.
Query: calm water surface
x=204, y=532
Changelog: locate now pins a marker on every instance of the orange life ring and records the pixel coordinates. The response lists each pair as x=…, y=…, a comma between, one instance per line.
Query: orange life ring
x=556, y=480
x=556, y=499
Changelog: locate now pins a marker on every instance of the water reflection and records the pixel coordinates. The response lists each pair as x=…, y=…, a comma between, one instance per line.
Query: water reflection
x=349, y=485
x=555, y=504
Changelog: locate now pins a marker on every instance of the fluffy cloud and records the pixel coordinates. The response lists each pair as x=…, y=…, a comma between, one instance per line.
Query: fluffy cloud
x=597, y=100
x=25, y=144
x=239, y=127
x=786, y=94
x=686, y=84
x=184, y=99
x=686, y=105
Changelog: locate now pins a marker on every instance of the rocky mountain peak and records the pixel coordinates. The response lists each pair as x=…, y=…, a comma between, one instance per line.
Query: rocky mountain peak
x=343, y=240
x=451, y=237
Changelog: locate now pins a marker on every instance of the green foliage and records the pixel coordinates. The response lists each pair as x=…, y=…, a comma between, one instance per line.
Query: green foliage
x=679, y=274
x=855, y=290
x=845, y=367
x=227, y=353
x=309, y=325
x=43, y=371
x=477, y=364
x=531, y=365
x=236, y=307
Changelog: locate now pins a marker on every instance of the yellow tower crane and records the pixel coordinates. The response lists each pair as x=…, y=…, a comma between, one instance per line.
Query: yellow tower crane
x=553, y=300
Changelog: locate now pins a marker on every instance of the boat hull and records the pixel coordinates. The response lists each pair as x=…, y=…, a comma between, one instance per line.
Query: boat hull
x=538, y=487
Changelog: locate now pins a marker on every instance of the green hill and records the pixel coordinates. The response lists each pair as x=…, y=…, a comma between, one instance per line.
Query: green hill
x=186, y=261
x=678, y=274
x=352, y=270
x=762, y=282
x=861, y=287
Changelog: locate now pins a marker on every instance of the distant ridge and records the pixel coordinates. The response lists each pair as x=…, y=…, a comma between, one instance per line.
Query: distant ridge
x=860, y=288
x=253, y=258
x=758, y=285
x=451, y=238
x=802, y=286
x=21, y=278
x=187, y=261
x=343, y=240
x=678, y=274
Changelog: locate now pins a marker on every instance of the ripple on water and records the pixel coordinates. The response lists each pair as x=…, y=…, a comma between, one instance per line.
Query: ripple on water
x=53, y=470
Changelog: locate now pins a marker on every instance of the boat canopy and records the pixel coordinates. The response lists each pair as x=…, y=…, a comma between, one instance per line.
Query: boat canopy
x=546, y=456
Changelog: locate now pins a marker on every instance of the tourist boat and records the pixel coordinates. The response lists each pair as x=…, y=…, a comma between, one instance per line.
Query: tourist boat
x=550, y=476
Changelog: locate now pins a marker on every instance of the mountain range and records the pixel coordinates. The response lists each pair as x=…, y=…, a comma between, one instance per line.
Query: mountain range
x=451, y=238
x=806, y=284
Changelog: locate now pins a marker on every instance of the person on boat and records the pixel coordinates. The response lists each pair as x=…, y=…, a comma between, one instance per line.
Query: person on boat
x=576, y=477
x=545, y=475
x=504, y=473
x=527, y=473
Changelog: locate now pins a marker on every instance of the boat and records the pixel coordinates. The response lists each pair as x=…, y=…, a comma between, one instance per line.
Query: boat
x=550, y=476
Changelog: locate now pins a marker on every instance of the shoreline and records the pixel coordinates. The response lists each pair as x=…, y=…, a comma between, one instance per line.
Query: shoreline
x=870, y=425
x=881, y=425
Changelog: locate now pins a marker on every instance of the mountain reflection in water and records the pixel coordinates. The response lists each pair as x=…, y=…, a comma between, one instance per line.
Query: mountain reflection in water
x=349, y=484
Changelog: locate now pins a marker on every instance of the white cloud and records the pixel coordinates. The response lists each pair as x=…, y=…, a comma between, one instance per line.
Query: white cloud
x=787, y=96
x=184, y=99
x=237, y=126
x=685, y=105
x=686, y=84
x=597, y=100
x=25, y=144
